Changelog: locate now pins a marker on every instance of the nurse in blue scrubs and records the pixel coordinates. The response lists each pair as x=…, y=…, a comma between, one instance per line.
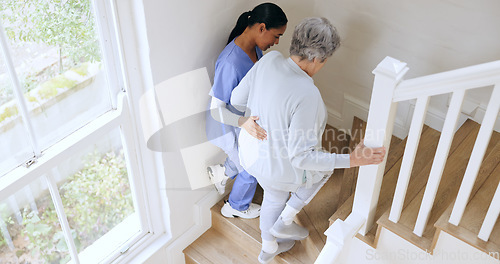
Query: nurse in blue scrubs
x=255, y=31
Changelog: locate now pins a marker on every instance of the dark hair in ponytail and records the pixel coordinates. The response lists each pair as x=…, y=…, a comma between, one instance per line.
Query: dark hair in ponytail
x=268, y=13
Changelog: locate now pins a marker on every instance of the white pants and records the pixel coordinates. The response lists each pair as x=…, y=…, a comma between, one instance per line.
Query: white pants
x=275, y=200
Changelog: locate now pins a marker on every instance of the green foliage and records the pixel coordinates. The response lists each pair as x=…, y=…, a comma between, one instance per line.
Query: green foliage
x=98, y=194
x=49, y=88
x=8, y=112
x=31, y=98
x=69, y=25
x=40, y=232
x=95, y=200
x=82, y=69
x=4, y=216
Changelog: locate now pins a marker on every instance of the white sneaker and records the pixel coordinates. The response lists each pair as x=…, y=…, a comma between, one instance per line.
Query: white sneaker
x=291, y=231
x=253, y=211
x=218, y=177
x=282, y=247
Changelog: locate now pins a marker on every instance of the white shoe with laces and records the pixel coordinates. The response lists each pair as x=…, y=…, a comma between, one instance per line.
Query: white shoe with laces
x=253, y=211
x=218, y=177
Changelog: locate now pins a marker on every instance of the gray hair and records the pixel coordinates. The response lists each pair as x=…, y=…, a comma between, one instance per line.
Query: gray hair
x=314, y=37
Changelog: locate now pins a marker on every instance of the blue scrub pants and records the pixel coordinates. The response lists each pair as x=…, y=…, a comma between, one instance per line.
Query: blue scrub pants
x=244, y=185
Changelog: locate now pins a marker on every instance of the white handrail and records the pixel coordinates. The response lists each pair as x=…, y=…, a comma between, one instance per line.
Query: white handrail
x=388, y=84
x=446, y=82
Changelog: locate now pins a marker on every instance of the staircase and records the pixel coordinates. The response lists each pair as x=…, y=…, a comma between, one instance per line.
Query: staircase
x=235, y=240
x=434, y=185
x=482, y=194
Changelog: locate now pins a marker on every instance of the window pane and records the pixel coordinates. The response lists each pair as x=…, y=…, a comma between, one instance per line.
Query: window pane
x=30, y=229
x=56, y=52
x=96, y=193
x=14, y=147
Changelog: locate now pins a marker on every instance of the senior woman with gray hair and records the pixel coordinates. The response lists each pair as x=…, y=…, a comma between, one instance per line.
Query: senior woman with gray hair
x=290, y=165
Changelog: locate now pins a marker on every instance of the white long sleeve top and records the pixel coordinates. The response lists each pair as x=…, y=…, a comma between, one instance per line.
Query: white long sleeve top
x=291, y=110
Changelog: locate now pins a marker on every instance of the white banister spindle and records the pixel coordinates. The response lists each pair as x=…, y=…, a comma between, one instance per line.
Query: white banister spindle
x=417, y=124
x=491, y=217
x=439, y=161
x=378, y=133
x=476, y=158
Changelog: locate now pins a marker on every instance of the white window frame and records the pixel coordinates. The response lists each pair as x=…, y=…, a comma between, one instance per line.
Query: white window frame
x=138, y=159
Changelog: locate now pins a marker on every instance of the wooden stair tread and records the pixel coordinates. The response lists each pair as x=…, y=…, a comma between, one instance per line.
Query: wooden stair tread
x=418, y=180
x=476, y=209
x=195, y=257
x=452, y=175
x=404, y=232
x=218, y=249
x=426, y=146
x=396, y=149
x=247, y=232
x=450, y=183
x=349, y=178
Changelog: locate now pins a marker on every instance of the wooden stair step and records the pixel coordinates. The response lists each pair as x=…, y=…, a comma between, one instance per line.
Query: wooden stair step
x=239, y=239
x=192, y=256
x=450, y=183
x=397, y=147
x=350, y=176
x=247, y=232
x=216, y=248
x=425, y=151
x=234, y=238
x=475, y=211
x=418, y=181
x=395, y=152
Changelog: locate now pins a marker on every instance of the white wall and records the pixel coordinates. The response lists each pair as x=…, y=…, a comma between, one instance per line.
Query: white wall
x=430, y=35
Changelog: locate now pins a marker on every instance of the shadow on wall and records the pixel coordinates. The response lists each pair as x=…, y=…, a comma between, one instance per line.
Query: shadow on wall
x=178, y=129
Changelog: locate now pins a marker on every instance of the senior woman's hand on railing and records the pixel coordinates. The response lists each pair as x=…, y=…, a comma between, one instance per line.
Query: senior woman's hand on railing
x=249, y=124
x=363, y=155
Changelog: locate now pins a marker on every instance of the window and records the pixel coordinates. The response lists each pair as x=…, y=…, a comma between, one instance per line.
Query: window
x=70, y=186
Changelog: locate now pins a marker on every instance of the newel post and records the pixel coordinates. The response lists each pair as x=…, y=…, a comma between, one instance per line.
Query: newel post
x=379, y=128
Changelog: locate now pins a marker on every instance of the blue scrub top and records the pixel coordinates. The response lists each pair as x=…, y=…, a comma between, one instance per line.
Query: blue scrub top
x=231, y=66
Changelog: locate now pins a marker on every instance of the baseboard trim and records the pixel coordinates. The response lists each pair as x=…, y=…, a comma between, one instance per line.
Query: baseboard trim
x=435, y=118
